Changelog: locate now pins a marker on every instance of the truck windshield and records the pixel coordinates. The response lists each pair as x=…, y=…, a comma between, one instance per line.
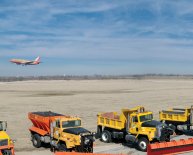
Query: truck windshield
x=145, y=118
x=68, y=124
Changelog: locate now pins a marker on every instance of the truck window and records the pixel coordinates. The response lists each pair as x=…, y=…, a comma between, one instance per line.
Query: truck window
x=135, y=119
x=74, y=123
x=145, y=118
x=58, y=124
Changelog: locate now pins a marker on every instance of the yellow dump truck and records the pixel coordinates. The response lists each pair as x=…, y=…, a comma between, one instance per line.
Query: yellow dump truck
x=6, y=144
x=181, y=119
x=133, y=125
x=63, y=133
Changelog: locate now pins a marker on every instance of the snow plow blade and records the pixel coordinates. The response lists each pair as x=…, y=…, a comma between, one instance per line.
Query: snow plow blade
x=172, y=147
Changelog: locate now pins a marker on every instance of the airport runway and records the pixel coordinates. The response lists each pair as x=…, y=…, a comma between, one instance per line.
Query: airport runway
x=85, y=98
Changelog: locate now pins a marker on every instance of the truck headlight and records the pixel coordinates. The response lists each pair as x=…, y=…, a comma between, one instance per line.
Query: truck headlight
x=12, y=141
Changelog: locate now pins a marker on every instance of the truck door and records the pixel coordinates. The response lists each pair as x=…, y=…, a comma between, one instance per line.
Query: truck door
x=134, y=124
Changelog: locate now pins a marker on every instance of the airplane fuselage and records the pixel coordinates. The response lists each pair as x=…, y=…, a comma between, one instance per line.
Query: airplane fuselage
x=25, y=62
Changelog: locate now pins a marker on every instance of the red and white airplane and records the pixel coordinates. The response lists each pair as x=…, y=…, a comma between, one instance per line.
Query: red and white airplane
x=26, y=62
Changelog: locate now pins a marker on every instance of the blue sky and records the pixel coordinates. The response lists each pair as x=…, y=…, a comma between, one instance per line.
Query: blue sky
x=78, y=37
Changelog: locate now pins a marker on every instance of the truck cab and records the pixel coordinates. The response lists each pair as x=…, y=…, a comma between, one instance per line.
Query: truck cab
x=6, y=144
x=137, y=119
x=70, y=133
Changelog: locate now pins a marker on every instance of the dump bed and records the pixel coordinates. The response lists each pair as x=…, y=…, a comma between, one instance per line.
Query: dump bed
x=42, y=120
x=111, y=120
x=176, y=115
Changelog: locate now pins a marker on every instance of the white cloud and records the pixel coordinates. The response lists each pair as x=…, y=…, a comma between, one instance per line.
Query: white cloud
x=109, y=30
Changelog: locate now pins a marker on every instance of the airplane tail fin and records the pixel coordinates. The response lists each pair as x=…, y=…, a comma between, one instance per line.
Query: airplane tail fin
x=37, y=60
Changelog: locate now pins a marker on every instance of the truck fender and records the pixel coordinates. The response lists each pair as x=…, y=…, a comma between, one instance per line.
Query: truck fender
x=140, y=135
x=39, y=131
x=130, y=138
x=64, y=144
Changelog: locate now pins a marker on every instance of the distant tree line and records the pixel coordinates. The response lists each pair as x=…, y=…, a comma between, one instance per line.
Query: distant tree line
x=93, y=77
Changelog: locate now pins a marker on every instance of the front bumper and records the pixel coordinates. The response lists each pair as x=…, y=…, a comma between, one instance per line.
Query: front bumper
x=7, y=147
x=164, y=133
x=86, y=144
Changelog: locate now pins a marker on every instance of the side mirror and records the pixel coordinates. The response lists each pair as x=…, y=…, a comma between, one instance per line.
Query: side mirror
x=3, y=126
x=13, y=141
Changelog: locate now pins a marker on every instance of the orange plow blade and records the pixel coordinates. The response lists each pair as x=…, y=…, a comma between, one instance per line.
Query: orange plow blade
x=172, y=147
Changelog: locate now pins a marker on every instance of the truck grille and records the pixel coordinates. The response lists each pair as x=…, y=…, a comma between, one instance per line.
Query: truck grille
x=3, y=142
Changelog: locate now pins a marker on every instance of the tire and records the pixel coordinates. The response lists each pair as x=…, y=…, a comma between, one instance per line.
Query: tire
x=142, y=144
x=6, y=152
x=36, y=141
x=106, y=136
x=63, y=148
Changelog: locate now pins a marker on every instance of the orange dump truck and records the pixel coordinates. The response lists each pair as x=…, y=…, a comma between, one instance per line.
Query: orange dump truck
x=63, y=133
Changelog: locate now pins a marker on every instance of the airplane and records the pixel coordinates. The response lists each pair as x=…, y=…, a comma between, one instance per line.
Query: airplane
x=26, y=62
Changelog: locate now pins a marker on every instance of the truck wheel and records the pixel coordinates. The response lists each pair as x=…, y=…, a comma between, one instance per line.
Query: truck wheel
x=106, y=136
x=6, y=152
x=36, y=141
x=142, y=144
x=63, y=148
